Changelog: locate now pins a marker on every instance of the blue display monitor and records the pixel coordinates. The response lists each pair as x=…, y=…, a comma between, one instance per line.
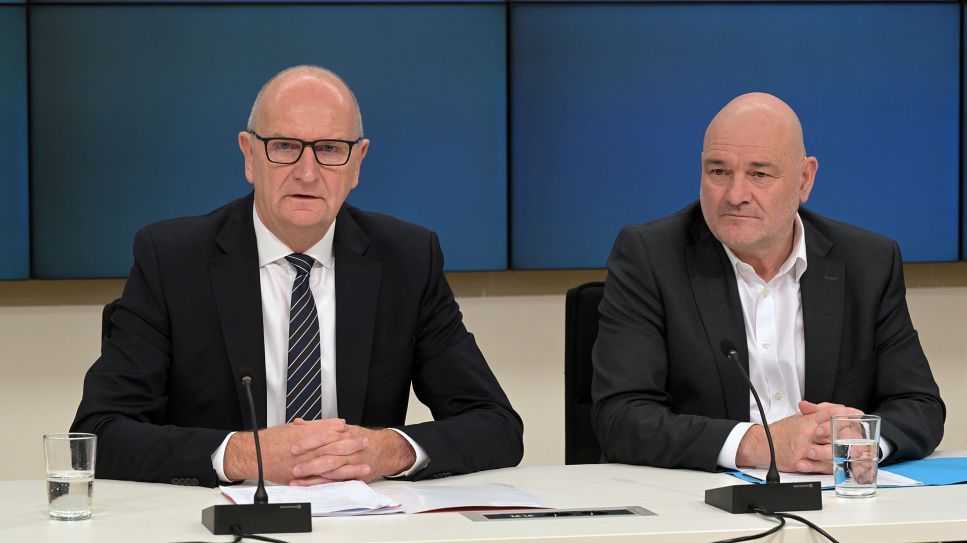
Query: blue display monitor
x=14, y=226
x=136, y=109
x=609, y=105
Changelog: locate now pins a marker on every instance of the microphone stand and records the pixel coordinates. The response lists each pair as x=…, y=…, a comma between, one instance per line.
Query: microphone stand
x=773, y=496
x=260, y=517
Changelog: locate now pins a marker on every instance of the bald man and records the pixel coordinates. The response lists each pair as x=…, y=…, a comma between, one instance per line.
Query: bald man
x=336, y=312
x=817, y=308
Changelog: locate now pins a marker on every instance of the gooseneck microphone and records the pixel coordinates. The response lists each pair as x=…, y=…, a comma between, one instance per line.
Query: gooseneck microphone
x=261, y=496
x=260, y=517
x=732, y=353
x=773, y=496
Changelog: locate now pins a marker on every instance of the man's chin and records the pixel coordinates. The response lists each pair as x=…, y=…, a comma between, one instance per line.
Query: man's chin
x=738, y=241
x=308, y=218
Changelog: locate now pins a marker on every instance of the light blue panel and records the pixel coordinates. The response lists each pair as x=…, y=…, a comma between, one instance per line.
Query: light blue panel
x=609, y=105
x=14, y=226
x=136, y=111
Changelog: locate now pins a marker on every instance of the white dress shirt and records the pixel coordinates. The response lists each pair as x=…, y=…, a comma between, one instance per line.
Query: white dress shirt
x=774, y=335
x=276, y=276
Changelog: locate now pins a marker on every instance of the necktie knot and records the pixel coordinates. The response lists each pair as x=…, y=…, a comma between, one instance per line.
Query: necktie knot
x=302, y=263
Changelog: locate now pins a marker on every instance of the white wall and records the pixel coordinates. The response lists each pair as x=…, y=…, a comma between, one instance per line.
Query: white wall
x=49, y=335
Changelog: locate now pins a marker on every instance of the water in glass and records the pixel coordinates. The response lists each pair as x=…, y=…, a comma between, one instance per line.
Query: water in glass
x=70, y=493
x=854, y=467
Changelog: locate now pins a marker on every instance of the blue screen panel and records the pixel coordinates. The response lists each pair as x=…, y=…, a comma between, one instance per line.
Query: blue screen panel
x=700, y=1
x=14, y=226
x=136, y=111
x=963, y=157
x=610, y=103
x=197, y=2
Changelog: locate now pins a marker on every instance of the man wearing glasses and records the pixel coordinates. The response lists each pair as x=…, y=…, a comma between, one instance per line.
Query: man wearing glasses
x=336, y=311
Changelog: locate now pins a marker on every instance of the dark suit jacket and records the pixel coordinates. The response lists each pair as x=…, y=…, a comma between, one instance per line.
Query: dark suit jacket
x=663, y=393
x=164, y=393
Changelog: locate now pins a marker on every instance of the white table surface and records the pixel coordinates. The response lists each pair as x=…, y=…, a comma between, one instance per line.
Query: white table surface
x=134, y=512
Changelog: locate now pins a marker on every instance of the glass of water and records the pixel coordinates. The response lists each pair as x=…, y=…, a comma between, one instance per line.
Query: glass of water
x=856, y=454
x=70, y=474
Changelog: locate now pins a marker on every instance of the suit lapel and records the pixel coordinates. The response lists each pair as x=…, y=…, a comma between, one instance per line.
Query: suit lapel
x=823, y=292
x=717, y=298
x=238, y=298
x=357, y=297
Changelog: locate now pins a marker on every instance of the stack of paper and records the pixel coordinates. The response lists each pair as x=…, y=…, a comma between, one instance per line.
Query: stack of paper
x=928, y=471
x=329, y=500
x=883, y=478
x=357, y=498
x=424, y=498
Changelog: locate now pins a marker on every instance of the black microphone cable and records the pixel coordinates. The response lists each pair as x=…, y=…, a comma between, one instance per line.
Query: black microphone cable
x=781, y=517
x=239, y=537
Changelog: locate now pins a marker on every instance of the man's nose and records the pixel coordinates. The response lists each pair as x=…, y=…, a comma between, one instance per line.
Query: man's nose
x=739, y=191
x=306, y=168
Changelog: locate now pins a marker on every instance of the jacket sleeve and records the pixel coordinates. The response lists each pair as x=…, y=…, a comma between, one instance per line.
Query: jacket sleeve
x=631, y=412
x=474, y=427
x=125, y=391
x=907, y=397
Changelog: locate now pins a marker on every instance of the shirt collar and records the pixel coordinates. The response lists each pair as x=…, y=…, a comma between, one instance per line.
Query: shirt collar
x=795, y=262
x=271, y=248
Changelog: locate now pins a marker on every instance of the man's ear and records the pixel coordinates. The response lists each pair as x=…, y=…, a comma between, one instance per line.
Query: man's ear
x=245, y=144
x=362, y=147
x=809, y=168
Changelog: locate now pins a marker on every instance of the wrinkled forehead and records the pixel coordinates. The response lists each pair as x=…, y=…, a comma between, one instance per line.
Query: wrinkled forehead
x=752, y=134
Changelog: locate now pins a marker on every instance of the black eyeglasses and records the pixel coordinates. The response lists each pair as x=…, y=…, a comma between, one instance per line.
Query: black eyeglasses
x=289, y=150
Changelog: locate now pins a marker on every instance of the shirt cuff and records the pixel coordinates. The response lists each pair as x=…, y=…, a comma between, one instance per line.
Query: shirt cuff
x=886, y=449
x=421, y=458
x=218, y=460
x=731, y=446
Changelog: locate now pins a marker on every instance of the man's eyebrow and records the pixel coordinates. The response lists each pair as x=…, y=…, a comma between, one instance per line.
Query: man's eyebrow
x=761, y=165
x=713, y=162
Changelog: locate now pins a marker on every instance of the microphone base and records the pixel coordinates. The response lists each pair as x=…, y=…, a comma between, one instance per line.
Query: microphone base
x=258, y=518
x=775, y=497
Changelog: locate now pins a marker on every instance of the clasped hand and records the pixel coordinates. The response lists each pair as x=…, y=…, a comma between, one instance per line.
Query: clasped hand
x=320, y=451
x=802, y=441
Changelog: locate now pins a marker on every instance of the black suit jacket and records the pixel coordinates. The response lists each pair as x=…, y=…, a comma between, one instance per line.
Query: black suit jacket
x=663, y=393
x=164, y=393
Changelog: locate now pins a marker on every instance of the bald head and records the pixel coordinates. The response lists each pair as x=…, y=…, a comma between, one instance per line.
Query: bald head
x=297, y=80
x=767, y=120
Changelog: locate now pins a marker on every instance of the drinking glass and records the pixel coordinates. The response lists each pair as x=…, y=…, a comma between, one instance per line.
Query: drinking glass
x=70, y=474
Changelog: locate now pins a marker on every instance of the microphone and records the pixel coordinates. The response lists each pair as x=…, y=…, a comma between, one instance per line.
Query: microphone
x=732, y=353
x=773, y=496
x=261, y=517
x=261, y=496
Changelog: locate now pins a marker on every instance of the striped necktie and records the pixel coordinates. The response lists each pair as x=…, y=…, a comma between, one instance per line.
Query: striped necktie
x=304, y=382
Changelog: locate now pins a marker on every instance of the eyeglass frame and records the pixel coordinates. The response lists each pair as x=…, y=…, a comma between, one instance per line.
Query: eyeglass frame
x=304, y=143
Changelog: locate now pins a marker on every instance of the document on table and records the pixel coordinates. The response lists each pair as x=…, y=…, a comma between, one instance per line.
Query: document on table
x=946, y=470
x=425, y=498
x=357, y=498
x=329, y=500
x=884, y=478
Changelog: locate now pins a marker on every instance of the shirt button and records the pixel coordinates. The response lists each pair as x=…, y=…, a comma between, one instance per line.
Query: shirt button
x=766, y=344
x=765, y=293
x=778, y=396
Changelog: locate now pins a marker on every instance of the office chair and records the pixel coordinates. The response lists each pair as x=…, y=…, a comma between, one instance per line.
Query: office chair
x=106, y=318
x=580, y=331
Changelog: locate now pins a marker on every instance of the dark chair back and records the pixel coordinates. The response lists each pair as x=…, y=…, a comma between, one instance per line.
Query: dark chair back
x=106, y=318
x=580, y=331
